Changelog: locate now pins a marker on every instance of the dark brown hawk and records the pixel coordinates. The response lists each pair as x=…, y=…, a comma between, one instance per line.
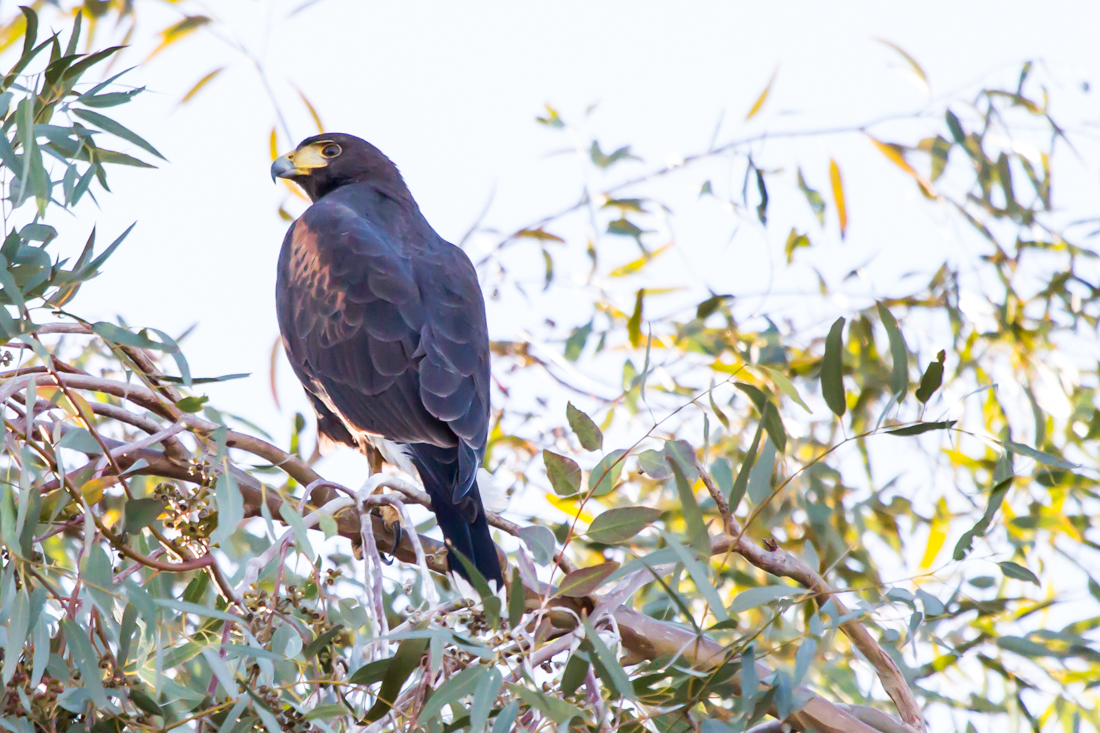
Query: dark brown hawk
x=384, y=324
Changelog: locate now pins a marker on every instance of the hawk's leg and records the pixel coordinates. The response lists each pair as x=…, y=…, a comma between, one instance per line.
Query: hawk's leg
x=390, y=516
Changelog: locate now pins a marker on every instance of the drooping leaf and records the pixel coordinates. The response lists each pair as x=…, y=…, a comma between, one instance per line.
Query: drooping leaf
x=404, y=663
x=696, y=530
x=1044, y=458
x=454, y=689
x=813, y=198
x=610, y=663
x=563, y=472
x=932, y=378
x=745, y=471
x=832, y=369
x=585, y=429
x=899, y=353
x=838, y=197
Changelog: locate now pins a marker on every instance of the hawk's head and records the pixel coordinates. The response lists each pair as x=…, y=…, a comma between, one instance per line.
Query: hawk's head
x=322, y=163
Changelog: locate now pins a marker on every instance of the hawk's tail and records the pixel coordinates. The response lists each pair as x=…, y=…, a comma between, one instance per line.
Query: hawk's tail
x=464, y=525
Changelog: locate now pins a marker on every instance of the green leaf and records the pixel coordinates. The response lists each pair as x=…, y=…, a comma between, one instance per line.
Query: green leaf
x=587, y=433
x=780, y=379
x=607, y=658
x=698, y=572
x=922, y=427
x=832, y=370
x=754, y=597
x=516, y=599
x=457, y=687
x=576, y=669
x=402, y=665
x=488, y=687
x=370, y=673
x=696, y=530
x=932, y=378
x=899, y=353
x=760, y=480
x=955, y=127
x=1019, y=572
x=563, y=472
x=1044, y=458
x=996, y=498
x=314, y=647
x=605, y=476
x=80, y=439
x=507, y=716
x=652, y=463
x=774, y=425
x=621, y=524
x=294, y=520
x=540, y=541
x=574, y=345
x=144, y=702
x=326, y=712
x=140, y=513
x=557, y=710
x=813, y=198
x=192, y=404
x=743, y=473
x=581, y=583
x=108, y=125
x=490, y=602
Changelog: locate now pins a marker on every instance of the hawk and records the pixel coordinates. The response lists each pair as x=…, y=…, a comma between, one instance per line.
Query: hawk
x=384, y=324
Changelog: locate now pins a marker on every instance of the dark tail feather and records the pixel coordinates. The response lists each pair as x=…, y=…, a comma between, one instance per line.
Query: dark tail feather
x=464, y=524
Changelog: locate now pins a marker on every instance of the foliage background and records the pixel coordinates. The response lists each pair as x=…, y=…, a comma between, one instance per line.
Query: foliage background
x=721, y=245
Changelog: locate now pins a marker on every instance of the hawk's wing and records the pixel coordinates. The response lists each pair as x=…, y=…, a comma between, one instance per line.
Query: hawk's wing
x=389, y=335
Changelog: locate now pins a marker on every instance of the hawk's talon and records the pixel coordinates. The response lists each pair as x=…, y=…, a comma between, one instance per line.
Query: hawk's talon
x=396, y=543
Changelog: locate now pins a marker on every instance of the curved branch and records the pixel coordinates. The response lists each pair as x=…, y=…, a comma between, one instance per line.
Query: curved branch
x=781, y=563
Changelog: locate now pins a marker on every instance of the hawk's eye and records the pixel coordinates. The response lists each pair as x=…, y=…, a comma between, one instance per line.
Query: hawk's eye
x=331, y=150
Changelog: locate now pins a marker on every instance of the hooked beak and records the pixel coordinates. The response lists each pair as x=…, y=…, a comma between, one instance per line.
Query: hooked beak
x=282, y=168
x=298, y=163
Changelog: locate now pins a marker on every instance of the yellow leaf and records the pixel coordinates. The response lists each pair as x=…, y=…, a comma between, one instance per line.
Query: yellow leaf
x=312, y=111
x=632, y=267
x=570, y=507
x=936, y=536
x=894, y=153
x=274, y=142
x=838, y=196
x=912, y=62
x=200, y=84
x=93, y=490
x=762, y=98
x=174, y=32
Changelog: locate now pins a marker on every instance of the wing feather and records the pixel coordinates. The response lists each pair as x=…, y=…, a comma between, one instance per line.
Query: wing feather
x=388, y=336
